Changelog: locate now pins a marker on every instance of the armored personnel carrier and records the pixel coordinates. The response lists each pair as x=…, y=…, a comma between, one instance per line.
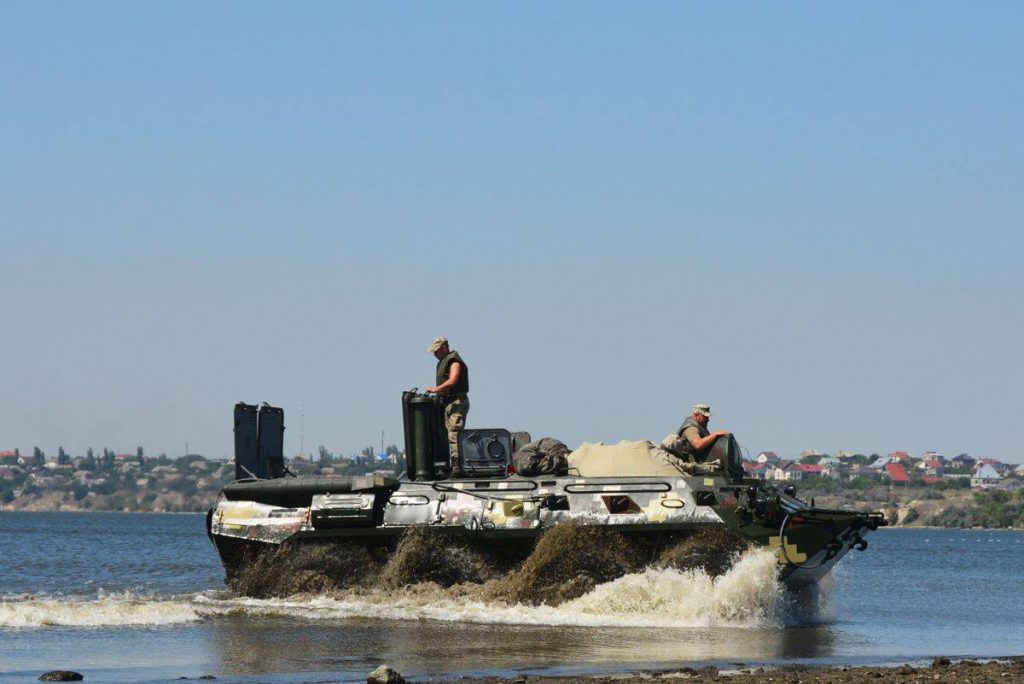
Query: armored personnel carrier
x=632, y=487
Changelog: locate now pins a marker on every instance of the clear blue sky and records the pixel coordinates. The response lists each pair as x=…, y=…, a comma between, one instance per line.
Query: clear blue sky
x=807, y=215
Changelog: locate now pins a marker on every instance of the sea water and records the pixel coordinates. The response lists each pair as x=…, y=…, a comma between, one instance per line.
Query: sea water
x=141, y=598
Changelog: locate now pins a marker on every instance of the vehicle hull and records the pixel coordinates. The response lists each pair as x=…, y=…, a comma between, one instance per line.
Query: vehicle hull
x=507, y=516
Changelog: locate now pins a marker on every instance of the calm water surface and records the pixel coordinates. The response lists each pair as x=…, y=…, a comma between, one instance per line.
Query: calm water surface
x=131, y=597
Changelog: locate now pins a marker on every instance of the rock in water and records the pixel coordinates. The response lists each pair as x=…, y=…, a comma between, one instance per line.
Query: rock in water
x=61, y=676
x=384, y=675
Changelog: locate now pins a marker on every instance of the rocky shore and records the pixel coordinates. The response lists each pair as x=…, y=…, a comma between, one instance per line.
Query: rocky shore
x=1003, y=670
x=1008, y=670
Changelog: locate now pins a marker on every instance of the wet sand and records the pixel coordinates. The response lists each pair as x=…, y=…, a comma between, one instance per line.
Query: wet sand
x=1004, y=670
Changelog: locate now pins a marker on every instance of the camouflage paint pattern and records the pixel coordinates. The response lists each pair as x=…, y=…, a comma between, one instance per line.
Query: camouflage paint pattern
x=808, y=541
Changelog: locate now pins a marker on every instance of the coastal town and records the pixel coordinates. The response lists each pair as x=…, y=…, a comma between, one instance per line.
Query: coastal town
x=898, y=468
x=928, y=489
x=135, y=481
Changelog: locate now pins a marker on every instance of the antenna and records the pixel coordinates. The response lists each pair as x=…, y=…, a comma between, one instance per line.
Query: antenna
x=302, y=430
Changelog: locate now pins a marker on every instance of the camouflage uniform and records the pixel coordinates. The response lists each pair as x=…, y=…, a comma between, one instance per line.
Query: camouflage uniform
x=687, y=432
x=456, y=401
x=673, y=451
x=680, y=445
x=455, y=419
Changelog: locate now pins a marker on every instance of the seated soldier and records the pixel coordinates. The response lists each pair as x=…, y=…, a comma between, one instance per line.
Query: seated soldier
x=692, y=441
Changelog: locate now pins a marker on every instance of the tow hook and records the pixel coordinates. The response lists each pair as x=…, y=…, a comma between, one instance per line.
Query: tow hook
x=831, y=549
x=875, y=520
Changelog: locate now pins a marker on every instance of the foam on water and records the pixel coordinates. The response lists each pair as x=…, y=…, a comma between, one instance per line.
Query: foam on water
x=119, y=610
x=748, y=595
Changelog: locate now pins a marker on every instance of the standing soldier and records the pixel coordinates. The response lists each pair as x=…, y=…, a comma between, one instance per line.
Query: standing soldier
x=453, y=388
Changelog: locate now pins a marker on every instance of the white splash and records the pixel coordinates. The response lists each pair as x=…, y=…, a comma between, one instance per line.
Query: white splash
x=749, y=595
x=117, y=610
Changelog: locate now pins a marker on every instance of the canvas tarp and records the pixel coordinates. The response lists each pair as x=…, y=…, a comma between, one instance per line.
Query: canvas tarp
x=625, y=459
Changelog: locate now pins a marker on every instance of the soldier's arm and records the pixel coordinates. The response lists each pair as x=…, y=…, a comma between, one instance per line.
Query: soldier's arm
x=702, y=443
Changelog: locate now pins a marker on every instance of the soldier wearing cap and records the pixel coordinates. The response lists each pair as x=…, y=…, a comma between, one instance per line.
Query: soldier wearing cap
x=453, y=388
x=693, y=438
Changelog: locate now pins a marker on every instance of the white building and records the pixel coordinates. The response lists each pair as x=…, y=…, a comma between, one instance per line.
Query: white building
x=985, y=477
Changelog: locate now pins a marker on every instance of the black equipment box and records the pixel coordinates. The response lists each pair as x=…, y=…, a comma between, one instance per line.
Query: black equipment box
x=426, y=438
x=271, y=438
x=485, y=452
x=259, y=442
x=247, y=453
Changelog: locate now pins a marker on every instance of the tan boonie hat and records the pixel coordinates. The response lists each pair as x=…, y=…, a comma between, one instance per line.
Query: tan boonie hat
x=437, y=344
x=702, y=409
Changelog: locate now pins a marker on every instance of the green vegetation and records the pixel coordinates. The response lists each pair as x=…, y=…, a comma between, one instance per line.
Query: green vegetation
x=927, y=506
x=956, y=483
x=827, y=485
x=990, y=509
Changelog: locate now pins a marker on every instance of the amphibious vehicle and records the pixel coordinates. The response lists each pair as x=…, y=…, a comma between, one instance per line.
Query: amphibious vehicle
x=633, y=487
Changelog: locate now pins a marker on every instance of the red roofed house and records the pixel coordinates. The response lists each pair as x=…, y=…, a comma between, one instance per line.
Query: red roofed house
x=758, y=470
x=899, y=457
x=810, y=471
x=896, y=473
x=792, y=470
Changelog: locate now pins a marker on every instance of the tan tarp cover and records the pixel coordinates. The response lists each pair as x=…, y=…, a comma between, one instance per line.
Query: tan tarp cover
x=624, y=459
